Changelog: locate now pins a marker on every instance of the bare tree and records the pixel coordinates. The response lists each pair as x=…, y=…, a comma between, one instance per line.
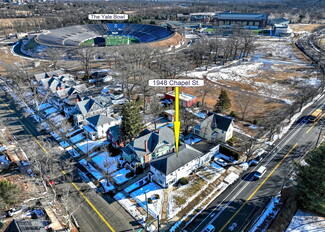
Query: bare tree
x=206, y=89
x=245, y=103
x=54, y=55
x=155, y=108
x=85, y=57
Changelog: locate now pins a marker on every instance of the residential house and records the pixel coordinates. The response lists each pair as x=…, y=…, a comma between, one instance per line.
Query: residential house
x=169, y=168
x=185, y=99
x=90, y=107
x=56, y=83
x=40, y=76
x=215, y=128
x=98, y=126
x=149, y=146
x=66, y=99
x=113, y=136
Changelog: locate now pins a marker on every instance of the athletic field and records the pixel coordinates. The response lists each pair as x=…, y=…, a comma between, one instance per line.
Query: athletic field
x=112, y=41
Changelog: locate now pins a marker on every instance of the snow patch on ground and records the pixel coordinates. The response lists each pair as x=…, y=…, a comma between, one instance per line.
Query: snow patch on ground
x=271, y=208
x=151, y=189
x=306, y=222
x=120, y=176
x=105, y=162
x=90, y=168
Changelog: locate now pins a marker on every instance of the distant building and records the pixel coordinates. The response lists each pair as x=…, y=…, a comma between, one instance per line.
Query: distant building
x=186, y=100
x=280, y=30
x=283, y=21
x=246, y=20
x=215, y=128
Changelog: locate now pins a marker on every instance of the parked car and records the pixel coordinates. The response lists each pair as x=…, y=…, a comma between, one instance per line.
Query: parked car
x=210, y=228
x=256, y=161
x=221, y=162
x=260, y=172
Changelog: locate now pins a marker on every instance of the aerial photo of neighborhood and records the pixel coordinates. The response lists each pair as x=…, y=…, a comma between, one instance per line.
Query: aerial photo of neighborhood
x=162, y=115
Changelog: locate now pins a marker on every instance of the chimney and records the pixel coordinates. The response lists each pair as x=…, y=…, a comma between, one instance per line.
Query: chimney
x=146, y=145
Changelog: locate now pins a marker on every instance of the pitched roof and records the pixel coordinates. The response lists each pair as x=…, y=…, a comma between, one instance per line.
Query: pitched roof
x=26, y=225
x=169, y=163
x=99, y=120
x=40, y=76
x=152, y=139
x=87, y=105
x=217, y=121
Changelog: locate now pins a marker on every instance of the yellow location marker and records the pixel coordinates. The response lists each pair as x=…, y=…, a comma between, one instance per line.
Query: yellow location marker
x=176, y=83
x=177, y=123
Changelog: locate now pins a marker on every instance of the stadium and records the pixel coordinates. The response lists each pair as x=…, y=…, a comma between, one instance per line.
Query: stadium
x=101, y=35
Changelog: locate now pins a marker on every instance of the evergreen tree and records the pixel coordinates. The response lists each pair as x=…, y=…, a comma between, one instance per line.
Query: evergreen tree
x=131, y=124
x=223, y=104
x=310, y=186
x=8, y=193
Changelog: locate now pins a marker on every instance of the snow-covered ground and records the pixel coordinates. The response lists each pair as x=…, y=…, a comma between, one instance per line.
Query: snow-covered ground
x=90, y=168
x=120, y=176
x=50, y=111
x=151, y=189
x=106, y=185
x=64, y=144
x=89, y=145
x=137, y=184
x=105, y=162
x=74, y=132
x=129, y=206
x=259, y=73
x=271, y=210
x=306, y=222
x=217, y=167
x=77, y=138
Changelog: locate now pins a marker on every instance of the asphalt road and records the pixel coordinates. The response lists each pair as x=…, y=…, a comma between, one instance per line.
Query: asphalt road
x=93, y=212
x=241, y=203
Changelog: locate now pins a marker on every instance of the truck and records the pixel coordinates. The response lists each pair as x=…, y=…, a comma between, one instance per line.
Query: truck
x=315, y=115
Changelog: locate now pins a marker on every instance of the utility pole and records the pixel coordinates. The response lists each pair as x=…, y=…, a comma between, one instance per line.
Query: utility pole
x=145, y=194
x=158, y=222
x=320, y=133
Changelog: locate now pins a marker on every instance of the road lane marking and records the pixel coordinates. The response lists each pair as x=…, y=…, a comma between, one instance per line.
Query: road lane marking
x=73, y=184
x=260, y=185
x=91, y=205
x=315, y=123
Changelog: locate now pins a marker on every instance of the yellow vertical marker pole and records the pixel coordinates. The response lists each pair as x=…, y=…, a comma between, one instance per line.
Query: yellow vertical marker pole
x=177, y=124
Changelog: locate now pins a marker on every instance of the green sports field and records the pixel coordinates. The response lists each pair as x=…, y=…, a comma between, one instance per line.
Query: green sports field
x=112, y=41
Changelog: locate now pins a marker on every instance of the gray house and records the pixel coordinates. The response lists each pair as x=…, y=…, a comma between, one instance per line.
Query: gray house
x=149, y=146
x=215, y=128
x=90, y=107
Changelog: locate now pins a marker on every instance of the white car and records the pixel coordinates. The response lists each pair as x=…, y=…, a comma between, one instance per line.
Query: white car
x=260, y=172
x=210, y=228
x=221, y=162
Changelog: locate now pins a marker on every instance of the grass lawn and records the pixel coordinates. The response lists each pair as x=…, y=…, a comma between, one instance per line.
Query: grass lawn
x=209, y=30
x=112, y=41
x=185, y=193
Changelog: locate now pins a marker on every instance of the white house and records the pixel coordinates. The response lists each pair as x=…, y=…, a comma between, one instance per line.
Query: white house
x=215, y=128
x=98, y=126
x=168, y=169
